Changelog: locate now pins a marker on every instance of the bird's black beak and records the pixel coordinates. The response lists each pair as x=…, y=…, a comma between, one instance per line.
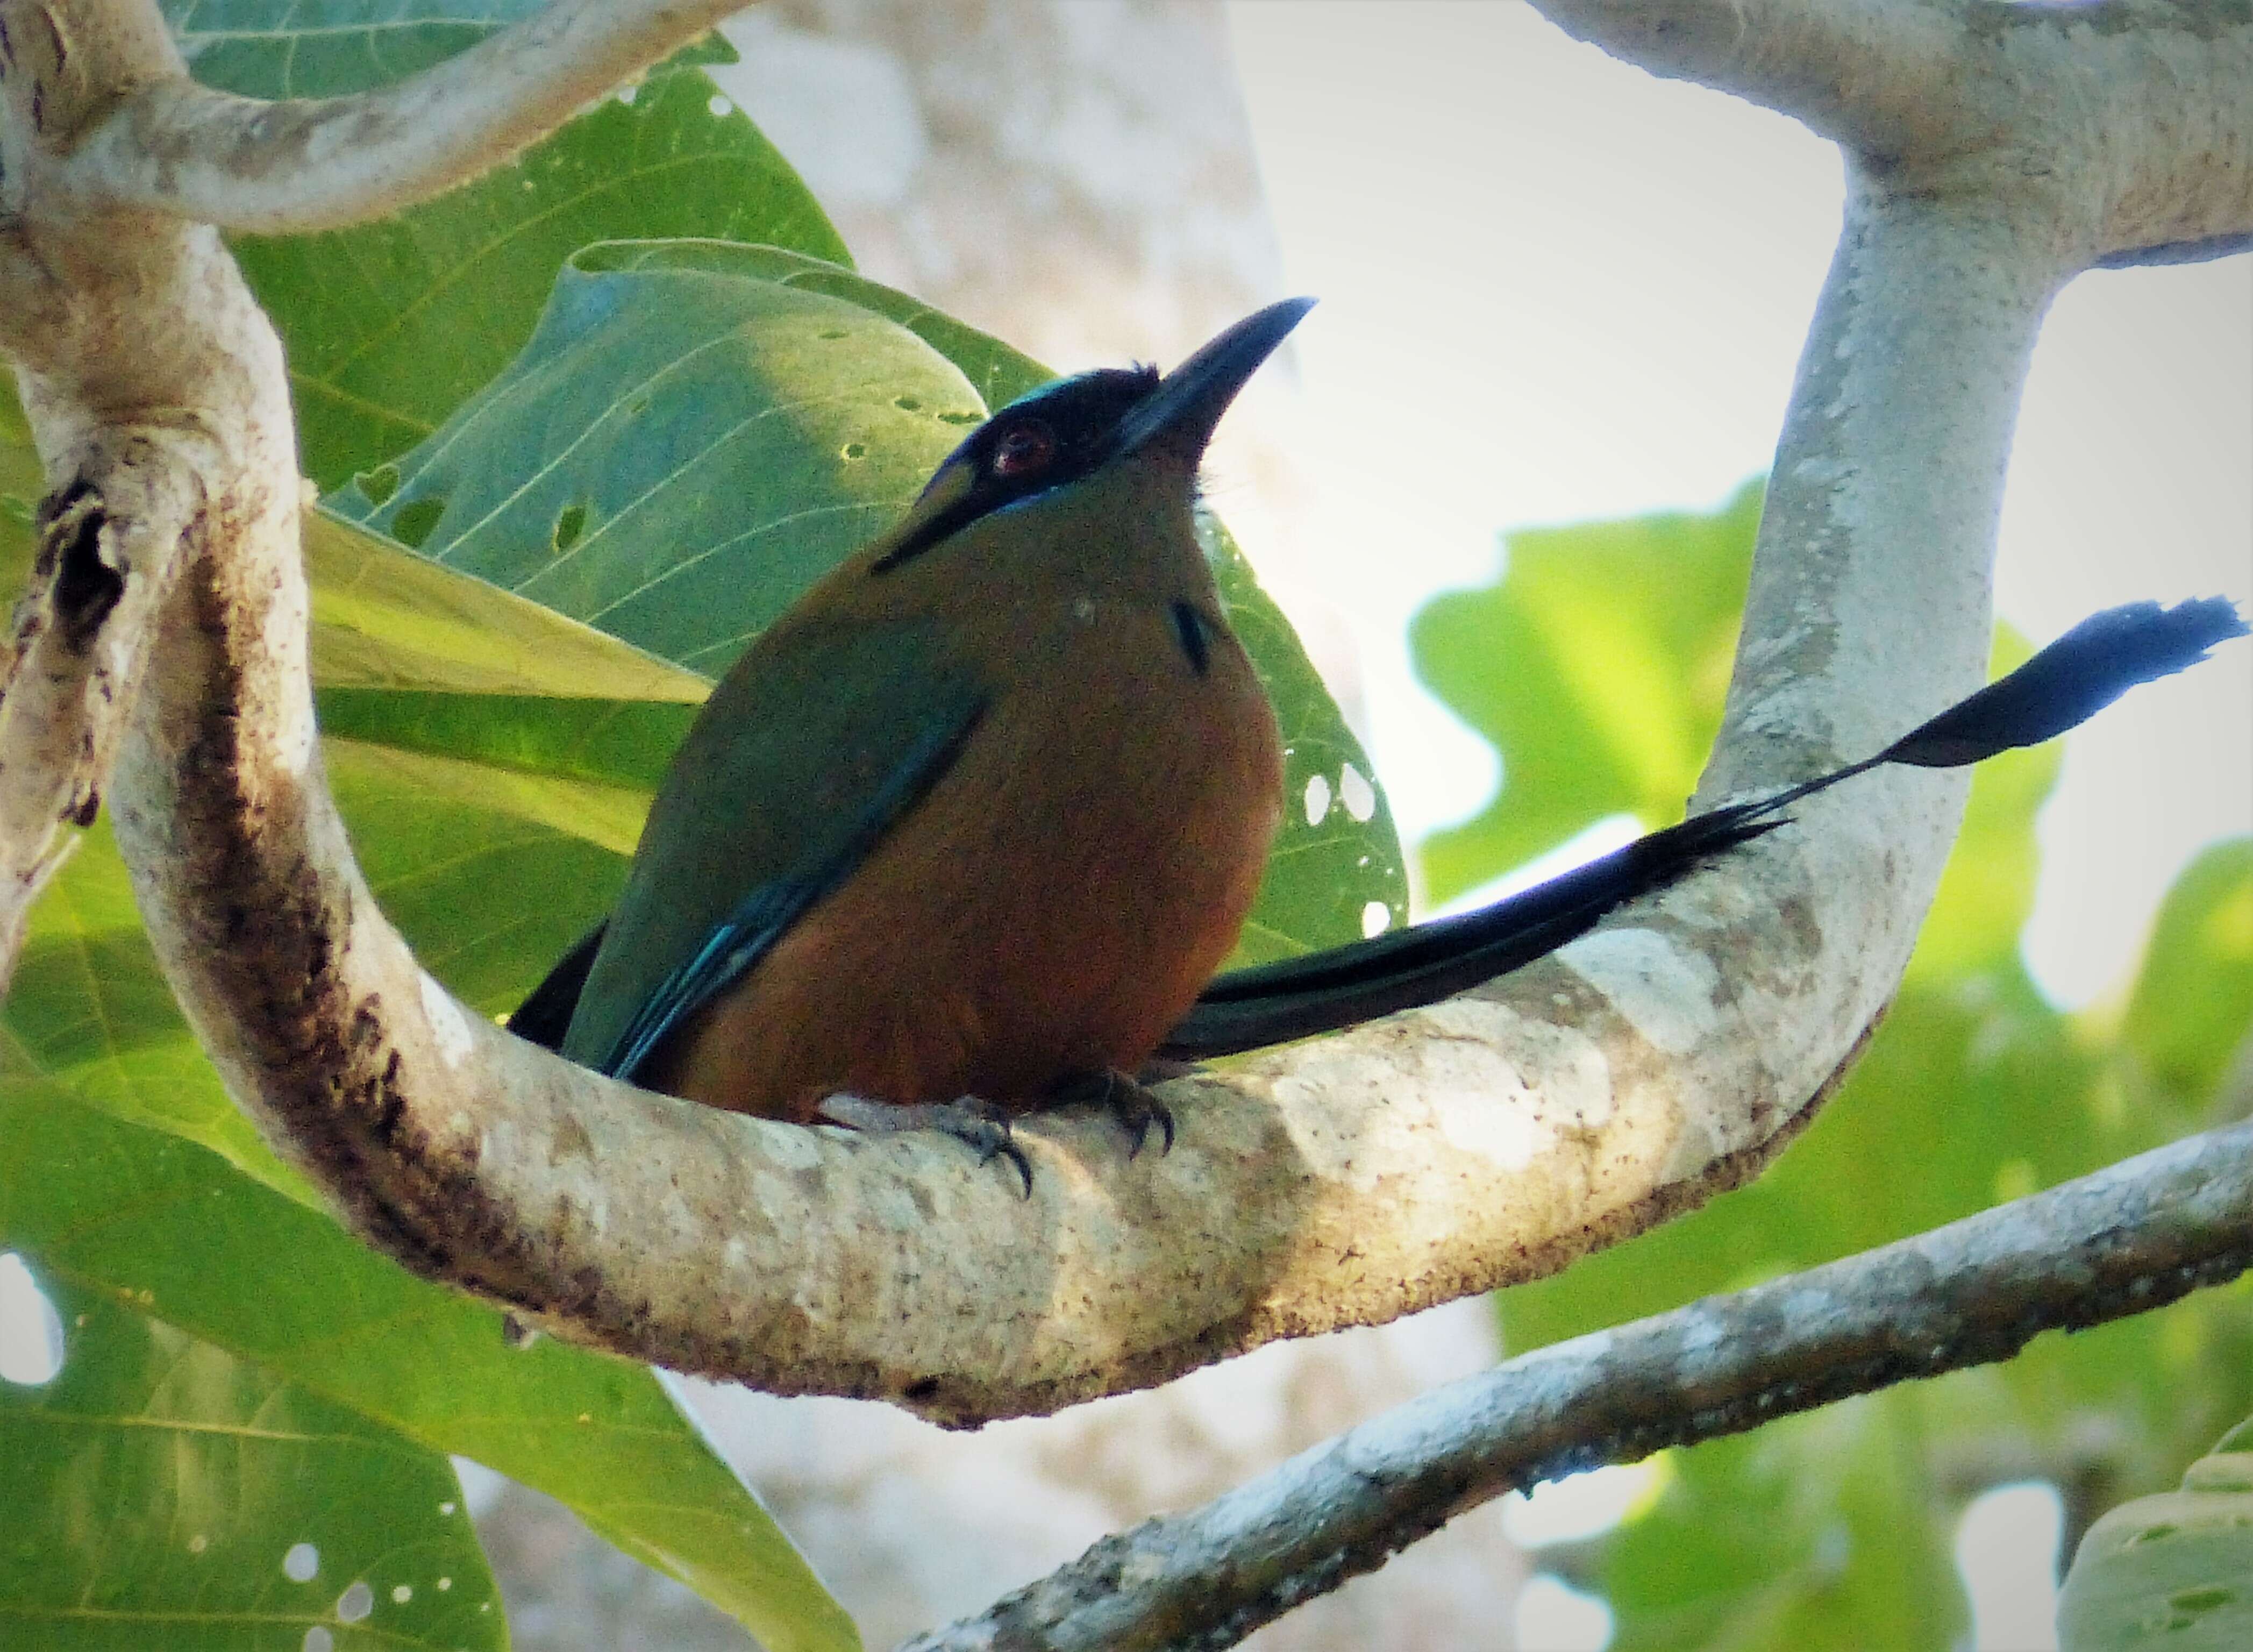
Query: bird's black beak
x=1182, y=412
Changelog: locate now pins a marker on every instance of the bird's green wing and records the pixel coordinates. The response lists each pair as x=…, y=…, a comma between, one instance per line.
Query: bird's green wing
x=803, y=757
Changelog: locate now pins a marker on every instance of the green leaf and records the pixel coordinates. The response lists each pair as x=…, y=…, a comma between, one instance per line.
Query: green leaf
x=151, y=1220
x=1597, y=667
x=385, y=618
x=1815, y=1534
x=489, y=872
x=500, y=760
x=327, y=48
x=679, y=453
x=2192, y=1010
x=89, y=1010
x=389, y=326
x=783, y=410
x=2174, y=1569
x=1973, y=1091
x=163, y=1493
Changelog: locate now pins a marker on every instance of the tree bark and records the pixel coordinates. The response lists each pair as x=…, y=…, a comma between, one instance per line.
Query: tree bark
x=1437, y=1152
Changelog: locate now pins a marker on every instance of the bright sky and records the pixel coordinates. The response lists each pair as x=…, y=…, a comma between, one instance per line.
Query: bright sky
x=1555, y=287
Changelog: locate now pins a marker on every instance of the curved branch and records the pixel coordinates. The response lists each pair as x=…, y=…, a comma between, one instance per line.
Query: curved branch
x=1435, y=1154
x=305, y=164
x=2130, y=1238
x=1442, y=1151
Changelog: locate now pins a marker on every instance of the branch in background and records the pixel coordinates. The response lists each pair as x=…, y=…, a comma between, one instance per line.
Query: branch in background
x=1862, y=72
x=2126, y=1240
x=291, y=167
x=2098, y=106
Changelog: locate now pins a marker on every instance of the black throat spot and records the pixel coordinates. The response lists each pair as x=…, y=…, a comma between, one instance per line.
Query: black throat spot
x=1189, y=626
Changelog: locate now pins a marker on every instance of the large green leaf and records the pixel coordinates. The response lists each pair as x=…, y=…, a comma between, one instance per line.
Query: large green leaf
x=677, y=454
x=1974, y=1089
x=1596, y=665
x=391, y=325
x=1818, y=1531
x=325, y=48
x=2174, y=1569
x=493, y=817
x=699, y=430
x=500, y=757
x=164, y=1493
x=2191, y=1014
x=151, y=1220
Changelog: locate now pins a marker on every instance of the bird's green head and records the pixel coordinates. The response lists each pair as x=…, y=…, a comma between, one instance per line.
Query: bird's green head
x=1072, y=428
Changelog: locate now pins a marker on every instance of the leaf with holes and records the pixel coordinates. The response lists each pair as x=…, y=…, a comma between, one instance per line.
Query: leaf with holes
x=699, y=430
x=134, y=1215
x=391, y=325
x=162, y=1492
x=2174, y=1569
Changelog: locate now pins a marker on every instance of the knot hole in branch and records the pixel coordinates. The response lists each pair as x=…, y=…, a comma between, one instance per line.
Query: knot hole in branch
x=75, y=553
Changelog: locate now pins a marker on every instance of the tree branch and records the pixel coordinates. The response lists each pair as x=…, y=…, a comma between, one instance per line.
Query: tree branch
x=305, y=164
x=1441, y=1151
x=1434, y=1155
x=2130, y=119
x=2132, y=1238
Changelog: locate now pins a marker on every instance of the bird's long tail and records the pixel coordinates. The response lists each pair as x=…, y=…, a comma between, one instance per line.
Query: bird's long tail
x=2079, y=674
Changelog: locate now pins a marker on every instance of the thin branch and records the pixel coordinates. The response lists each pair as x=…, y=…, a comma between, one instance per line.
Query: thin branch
x=303, y=164
x=2127, y=1239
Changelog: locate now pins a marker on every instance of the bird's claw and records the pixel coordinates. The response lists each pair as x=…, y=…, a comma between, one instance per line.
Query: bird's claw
x=977, y=1123
x=1134, y=1105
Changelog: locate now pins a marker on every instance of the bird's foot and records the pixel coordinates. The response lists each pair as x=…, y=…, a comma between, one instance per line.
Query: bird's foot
x=980, y=1124
x=1134, y=1106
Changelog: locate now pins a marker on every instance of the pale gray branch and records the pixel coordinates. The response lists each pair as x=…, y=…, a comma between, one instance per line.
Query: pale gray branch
x=2127, y=1239
x=1489, y=1139
x=2130, y=121
x=1860, y=71
x=1350, y=1180
x=288, y=167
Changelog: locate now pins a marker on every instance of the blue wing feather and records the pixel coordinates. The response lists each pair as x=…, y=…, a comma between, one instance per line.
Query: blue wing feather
x=739, y=941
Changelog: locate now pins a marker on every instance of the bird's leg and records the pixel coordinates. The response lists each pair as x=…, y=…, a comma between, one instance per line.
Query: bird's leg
x=1135, y=1107
x=978, y=1123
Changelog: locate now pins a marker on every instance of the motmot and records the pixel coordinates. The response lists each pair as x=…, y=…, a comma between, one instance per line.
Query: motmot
x=980, y=816
x=967, y=832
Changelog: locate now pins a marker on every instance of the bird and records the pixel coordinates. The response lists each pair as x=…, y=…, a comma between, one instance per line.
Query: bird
x=965, y=834
x=967, y=830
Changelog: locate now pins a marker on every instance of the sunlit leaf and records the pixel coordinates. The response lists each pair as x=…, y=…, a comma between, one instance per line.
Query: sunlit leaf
x=2190, y=1016
x=162, y=1493
x=148, y=1219
x=1817, y=1534
x=1596, y=665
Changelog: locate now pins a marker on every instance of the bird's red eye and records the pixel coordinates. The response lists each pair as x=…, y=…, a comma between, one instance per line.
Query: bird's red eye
x=1023, y=449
